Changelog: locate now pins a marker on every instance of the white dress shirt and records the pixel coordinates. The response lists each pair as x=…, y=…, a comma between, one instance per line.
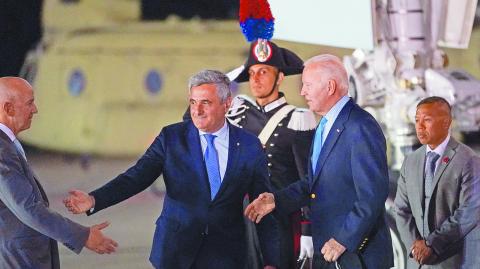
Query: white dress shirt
x=7, y=131
x=332, y=115
x=221, y=145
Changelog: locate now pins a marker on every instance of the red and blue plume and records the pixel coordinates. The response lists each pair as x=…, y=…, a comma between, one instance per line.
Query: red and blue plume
x=256, y=19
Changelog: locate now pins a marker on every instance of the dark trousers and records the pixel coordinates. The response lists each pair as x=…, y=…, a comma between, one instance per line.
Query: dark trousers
x=254, y=253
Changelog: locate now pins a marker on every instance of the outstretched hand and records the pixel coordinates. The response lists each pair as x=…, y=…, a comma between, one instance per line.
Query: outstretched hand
x=78, y=202
x=264, y=204
x=98, y=242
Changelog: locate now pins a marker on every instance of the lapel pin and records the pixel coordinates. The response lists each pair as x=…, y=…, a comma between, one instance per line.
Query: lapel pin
x=446, y=160
x=338, y=130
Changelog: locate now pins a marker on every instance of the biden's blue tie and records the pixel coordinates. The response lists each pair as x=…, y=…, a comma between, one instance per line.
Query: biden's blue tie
x=317, y=143
x=211, y=162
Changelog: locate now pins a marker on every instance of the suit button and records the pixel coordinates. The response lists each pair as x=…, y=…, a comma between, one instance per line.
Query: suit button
x=271, y=144
x=313, y=195
x=269, y=164
x=269, y=155
x=275, y=134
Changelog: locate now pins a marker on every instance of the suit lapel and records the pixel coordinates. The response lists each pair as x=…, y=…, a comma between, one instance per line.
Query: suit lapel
x=194, y=149
x=40, y=188
x=450, y=151
x=233, y=156
x=309, y=166
x=419, y=158
x=333, y=135
x=29, y=174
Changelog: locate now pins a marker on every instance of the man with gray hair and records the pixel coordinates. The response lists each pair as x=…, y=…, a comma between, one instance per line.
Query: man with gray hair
x=347, y=176
x=208, y=166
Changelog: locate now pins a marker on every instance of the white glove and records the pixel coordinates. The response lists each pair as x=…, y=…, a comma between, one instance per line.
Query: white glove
x=306, y=247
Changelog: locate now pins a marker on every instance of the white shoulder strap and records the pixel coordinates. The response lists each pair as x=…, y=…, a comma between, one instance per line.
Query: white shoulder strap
x=273, y=122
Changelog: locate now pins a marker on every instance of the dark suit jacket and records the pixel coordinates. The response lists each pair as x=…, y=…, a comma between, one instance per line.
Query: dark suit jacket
x=192, y=230
x=348, y=191
x=454, y=208
x=28, y=228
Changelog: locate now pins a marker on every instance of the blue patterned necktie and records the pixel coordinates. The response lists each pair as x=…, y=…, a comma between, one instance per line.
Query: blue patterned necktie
x=211, y=162
x=317, y=143
x=430, y=165
x=19, y=148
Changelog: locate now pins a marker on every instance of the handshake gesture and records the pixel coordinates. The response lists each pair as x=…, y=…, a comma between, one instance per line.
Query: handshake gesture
x=80, y=202
x=264, y=204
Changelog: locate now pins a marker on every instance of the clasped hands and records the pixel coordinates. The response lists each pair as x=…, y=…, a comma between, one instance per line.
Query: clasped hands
x=422, y=253
x=80, y=202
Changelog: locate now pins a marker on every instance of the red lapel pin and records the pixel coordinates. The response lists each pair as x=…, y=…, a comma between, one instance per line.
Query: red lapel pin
x=446, y=160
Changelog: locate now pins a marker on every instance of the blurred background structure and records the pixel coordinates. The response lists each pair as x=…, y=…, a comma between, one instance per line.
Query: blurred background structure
x=108, y=75
x=97, y=65
x=102, y=64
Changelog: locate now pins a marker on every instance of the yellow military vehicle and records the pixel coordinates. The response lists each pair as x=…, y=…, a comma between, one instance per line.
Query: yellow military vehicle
x=106, y=82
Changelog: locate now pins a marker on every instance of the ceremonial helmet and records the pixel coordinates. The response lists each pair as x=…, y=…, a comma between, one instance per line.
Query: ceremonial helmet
x=267, y=52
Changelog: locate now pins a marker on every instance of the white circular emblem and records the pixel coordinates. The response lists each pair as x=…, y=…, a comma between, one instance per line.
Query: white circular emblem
x=262, y=51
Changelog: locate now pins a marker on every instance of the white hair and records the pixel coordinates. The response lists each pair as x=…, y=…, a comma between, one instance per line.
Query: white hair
x=334, y=68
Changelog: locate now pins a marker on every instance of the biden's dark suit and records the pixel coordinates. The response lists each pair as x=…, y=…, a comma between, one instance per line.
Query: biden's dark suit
x=348, y=191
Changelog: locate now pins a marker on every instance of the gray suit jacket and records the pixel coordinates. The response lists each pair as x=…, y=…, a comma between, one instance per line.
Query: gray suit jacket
x=28, y=228
x=454, y=208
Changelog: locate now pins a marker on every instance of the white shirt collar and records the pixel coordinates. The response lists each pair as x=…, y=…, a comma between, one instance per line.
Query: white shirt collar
x=222, y=133
x=332, y=114
x=440, y=149
x=7, y=131
x=271, y=106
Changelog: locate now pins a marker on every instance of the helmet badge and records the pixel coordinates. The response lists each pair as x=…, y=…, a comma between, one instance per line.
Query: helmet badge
x=262, y=51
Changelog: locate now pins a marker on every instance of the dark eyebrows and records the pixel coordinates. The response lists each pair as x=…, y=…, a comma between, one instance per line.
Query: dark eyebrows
x=200, y=101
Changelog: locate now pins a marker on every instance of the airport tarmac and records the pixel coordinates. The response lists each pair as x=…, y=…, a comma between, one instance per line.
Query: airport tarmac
x=132, y=222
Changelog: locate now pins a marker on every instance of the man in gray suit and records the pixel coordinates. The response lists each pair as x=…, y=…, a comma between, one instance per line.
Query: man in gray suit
x=438, y=196
x=28, y=228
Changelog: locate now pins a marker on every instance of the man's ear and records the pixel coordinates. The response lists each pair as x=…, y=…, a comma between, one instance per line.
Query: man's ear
x=281, y=76
x=332, y=87
x=447, y=122
x=228, y=103
x=8, y=108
